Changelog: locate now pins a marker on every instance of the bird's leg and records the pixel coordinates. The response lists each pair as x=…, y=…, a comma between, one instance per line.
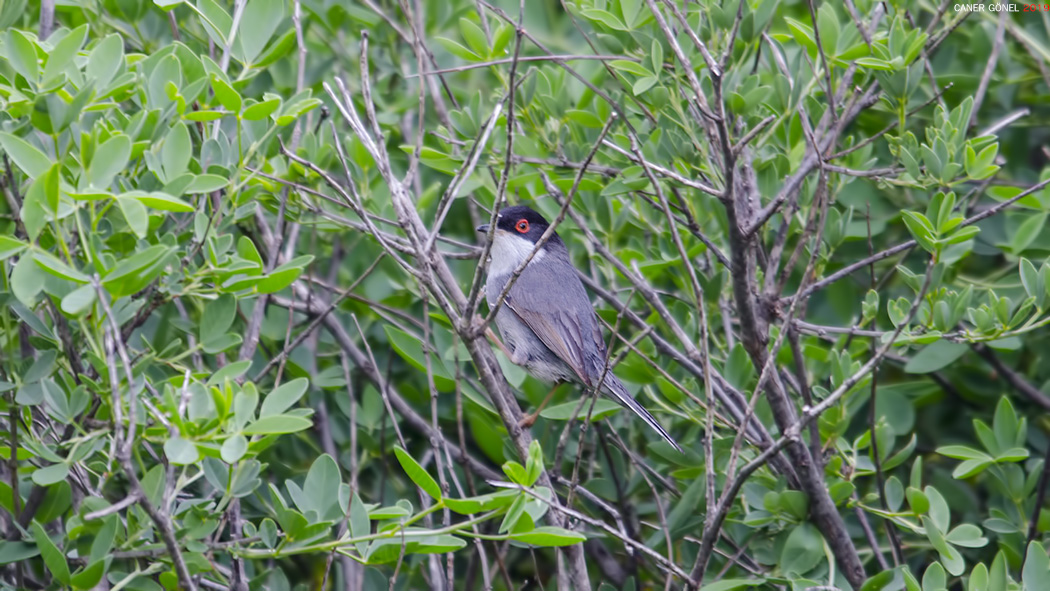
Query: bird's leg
x=530, y=418
x=495, y=340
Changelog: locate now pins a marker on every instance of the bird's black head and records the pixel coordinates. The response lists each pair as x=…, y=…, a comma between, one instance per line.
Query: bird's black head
x=523, y=222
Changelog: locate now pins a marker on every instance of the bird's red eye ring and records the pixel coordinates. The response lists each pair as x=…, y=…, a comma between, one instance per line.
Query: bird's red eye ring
x=522, y=226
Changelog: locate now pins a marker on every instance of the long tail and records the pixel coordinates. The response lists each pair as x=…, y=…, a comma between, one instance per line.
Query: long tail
x=616, y=390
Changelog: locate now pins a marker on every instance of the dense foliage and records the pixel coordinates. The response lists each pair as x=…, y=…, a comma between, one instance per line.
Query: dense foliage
x=242, y=337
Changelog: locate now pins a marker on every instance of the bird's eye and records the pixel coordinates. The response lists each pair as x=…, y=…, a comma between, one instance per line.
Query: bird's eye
x=522, y=226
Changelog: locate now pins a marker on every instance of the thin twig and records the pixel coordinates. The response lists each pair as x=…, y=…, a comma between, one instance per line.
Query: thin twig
x=126, y=440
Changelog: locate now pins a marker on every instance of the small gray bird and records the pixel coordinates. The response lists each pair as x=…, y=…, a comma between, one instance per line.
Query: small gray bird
x=548, y=324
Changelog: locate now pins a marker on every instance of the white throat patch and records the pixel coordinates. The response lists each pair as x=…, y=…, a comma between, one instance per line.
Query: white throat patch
x=508, y=251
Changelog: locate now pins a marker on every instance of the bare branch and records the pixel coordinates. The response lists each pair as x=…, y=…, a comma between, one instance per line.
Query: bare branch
x=792, y=433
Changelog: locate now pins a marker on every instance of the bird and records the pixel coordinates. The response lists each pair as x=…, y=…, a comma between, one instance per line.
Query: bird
x=547, y=322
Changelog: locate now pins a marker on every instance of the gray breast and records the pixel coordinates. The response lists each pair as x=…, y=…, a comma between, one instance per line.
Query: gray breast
x=526, y=349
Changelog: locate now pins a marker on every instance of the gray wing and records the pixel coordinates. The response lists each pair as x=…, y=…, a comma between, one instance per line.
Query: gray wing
x=556, y=308
x=561, y=315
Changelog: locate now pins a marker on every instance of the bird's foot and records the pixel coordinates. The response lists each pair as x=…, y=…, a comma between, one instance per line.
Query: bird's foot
x=528, y=420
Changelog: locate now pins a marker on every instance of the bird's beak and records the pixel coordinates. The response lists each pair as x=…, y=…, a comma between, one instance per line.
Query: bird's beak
x=483, y=228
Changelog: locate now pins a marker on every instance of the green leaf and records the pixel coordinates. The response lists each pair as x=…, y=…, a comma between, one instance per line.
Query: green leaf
x=244, y=403
x=277, y=49
x=234, y=448
x=161, y=201
x=11, y=552
x=501, y=39
x=284, y=397
x=516, y=473
x=644, y=84
x=89, y=576
x=1005, y=424
x=631, y=67
x=204, y=115
x=59, y=269
x=828, y=26
x=1036, y=565
x=629, y=10
x=950, y=557
x=1030, y=278
x=934, y=578
x=181, y=451
x=53, y=557
x=21, y=54
x=268, y=532
x=206, y=183
x=874, y=63
x=50, y=184
x=105, y=60
x=921, y=229
x=411, y=350
x=177, y=151
x=135, y=214
x=935, y=356
x=967, y=535
x=35, y=214
x=231, y=371
x=732, y=584
x=604, y=17
x=474, y=37
x=321, y=488
x=166, y=74
x=879, y=581
x=804, y=35
x=1014, y=454
x=534, y=465
x=103, y=541
x=514, y=513
x=130, y=274
x=260, y=111
x=803, y=550
x=421, y=477
x=61, y=55
x=277, y=424
x=26, y=156
x=226, y=95
x=1027, y=232
x=360, y=525
x=51, y=474
x=258, y=24
x=563, y=412
x=739, y=369
x=656, y=56
x=458, y=50
x=917, y=500
x=27, y=279
x=217, y=21
x=481, y=503
x=969, y=468
x=961, y=235
x=962, y=452
x=283, y=276
x=585, y=118
x=10, y=246
x=548, y=536
x=217, y=318
x=439, y=544
x=110, y=158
